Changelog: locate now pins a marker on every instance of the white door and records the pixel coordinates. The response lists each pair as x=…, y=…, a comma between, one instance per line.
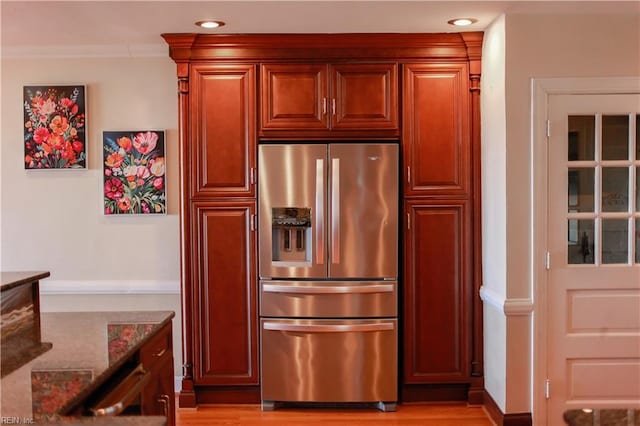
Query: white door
x=593, y=289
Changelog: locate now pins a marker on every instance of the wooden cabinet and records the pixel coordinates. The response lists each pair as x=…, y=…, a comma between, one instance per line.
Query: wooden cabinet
x=222, y=154
x=437, y=292
x=325, y=99
x=158, y=396
x=436, y=132
x=224, y=249
x=442, y=345
x=422, y=89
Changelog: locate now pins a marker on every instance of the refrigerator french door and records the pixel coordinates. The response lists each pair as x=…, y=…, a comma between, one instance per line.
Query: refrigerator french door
x=328, y=264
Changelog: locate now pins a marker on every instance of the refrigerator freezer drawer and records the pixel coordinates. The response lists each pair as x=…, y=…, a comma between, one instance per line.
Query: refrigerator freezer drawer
x=329, y=360
x=328, y=299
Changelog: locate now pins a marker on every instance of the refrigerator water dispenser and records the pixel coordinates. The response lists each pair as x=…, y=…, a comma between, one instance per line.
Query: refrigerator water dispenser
x=291, y=229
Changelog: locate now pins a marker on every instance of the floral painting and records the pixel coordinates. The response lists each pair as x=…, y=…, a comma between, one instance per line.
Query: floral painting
x=54, y=127
x=134, y=172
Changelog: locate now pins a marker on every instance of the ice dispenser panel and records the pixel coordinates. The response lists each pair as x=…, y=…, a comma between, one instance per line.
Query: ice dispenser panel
x=291, y=230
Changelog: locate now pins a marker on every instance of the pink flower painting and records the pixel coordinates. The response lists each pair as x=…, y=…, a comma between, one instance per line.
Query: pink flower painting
x=54, y=127
x=134, y=172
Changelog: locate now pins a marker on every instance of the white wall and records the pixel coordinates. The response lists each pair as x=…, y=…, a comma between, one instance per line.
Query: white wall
x=537, y=46
x=53, y=219
x=494, y=227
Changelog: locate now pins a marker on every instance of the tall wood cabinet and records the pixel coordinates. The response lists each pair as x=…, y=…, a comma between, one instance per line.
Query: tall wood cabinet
x=421, y=90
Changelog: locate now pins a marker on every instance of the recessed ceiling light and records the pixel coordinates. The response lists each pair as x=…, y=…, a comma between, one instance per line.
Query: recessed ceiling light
x=209, y=24
x=461, y=22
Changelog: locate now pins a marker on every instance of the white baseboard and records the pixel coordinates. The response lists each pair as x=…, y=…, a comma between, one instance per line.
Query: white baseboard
x=62, y=287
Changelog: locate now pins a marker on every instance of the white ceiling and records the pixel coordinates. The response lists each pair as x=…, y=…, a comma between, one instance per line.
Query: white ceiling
x=97, y=24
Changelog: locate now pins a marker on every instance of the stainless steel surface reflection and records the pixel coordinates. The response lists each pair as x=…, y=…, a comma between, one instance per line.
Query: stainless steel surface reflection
x=328, y=307
x=329, y=360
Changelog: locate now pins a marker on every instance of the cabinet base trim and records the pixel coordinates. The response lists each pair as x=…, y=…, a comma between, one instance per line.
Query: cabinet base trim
x=227, y=394
x=435, y=392
x=501, y=419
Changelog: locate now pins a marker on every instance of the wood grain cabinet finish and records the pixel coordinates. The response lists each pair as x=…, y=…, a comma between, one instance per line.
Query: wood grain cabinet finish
x=158, y=397
x=327, y=99
x=436, y=129
x=223, y=143
x=437, y=292
x=419, y=89
x=224, y=248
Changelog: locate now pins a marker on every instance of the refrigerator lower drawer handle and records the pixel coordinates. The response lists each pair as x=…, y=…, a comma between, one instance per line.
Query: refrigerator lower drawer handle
x=324, y=328
x=343, y=289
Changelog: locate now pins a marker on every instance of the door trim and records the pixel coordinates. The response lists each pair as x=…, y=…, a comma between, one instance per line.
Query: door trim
x=541, y=89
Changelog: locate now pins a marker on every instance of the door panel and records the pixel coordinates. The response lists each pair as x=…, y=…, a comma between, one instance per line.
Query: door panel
x=225, y=318
x=436, y=302
x=222, y=150
x=328, y=299
x=315, y=360
x=294, y=97
x=366, y=96
x=436, y=122
x=363, y=210
x=292, y=211
x=594, y=281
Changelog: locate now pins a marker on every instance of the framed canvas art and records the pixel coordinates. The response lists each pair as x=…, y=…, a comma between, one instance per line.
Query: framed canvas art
x=54, y=127
x=134, y=172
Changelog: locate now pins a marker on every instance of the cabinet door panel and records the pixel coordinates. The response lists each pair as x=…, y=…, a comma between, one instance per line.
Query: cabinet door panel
x=223, y=136
x=294, y=97
x=225, y=320
x=436, y=299
x=158, y=397
x=436, y=129
x=365, y=96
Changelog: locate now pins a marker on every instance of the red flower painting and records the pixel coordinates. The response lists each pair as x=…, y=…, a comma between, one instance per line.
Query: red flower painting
x=134, y=172
x=54, y=127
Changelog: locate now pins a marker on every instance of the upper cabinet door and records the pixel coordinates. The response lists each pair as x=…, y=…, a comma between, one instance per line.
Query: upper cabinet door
x=436, y=130
x=334, y=100
x=364, y=96
x=222, y=142
x=294, y=97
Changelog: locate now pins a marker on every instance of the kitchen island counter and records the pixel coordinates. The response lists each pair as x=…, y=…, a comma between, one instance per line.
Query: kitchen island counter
x=89, y=351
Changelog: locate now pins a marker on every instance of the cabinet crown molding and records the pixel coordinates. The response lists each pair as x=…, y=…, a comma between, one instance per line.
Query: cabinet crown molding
x=368, y=46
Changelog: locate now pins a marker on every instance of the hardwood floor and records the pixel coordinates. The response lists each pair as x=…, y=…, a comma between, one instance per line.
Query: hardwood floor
x=407, y=414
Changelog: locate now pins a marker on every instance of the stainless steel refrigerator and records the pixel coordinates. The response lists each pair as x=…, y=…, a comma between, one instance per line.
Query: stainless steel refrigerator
x=328, y=264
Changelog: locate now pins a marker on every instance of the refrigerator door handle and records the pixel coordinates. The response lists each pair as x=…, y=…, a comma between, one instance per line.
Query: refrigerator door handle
x=319, y=211
x=335, y=210
x=333, y=328
x=323, y=289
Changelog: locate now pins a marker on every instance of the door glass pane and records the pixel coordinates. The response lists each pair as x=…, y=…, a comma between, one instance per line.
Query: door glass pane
x=615, y=137
x=615, y=189
x=615, y=246
x=637, y=137
x=580, y=189
x=638, y=189
x=580, y=241
x=581, y=138
x=637, y=240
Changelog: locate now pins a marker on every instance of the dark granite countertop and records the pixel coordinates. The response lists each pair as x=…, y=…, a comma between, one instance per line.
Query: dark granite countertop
x=87, y=347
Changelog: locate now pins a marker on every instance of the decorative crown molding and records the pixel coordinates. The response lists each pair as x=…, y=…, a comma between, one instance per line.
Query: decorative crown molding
x=86, y=51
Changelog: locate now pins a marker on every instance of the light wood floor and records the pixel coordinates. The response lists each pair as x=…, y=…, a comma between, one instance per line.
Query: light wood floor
x=407, y=414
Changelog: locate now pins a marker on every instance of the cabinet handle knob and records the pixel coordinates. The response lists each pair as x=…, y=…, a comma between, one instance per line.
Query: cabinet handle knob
x=333, y=106
x=165, y=401
x=324, y=106
x=160, y=353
